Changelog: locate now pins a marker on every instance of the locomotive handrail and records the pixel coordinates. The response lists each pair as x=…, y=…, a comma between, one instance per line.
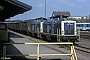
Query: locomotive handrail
x=60, y=35
x=72, y=54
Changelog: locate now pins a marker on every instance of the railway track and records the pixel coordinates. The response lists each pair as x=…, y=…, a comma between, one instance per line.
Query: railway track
x=83, y=49
x=85, y=35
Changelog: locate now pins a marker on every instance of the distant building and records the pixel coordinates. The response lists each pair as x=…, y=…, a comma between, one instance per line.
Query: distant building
x=89, y=17
x=85, y=17
x=57, y=13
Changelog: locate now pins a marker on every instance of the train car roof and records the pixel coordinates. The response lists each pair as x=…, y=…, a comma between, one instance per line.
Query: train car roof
x=10, y=8
x=82, y=23
x=2, y=22
x=40, y=18
x=69, y=21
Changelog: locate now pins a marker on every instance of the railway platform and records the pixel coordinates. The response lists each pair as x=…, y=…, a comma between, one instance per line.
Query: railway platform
x=26, y=49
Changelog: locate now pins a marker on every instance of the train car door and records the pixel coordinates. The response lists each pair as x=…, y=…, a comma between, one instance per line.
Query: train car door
x=84, y=27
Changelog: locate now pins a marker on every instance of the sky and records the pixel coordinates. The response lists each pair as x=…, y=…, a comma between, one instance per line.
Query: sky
x=75, y=7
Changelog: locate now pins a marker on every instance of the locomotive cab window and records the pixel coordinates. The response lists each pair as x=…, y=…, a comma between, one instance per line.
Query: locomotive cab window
x=69, y=28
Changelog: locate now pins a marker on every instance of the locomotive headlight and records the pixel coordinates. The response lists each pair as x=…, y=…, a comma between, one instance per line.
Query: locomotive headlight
x=62, y=32
x=75, y=32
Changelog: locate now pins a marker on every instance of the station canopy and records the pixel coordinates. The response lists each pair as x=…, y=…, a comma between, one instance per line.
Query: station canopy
x=10, y=8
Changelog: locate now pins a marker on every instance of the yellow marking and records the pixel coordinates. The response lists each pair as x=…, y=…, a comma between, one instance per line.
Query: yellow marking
x=72, y=54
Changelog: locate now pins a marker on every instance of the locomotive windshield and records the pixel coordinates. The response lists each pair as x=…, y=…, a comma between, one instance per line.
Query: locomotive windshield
x=69, y=28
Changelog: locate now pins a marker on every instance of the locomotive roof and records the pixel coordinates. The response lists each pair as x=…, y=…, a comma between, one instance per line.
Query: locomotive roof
x=10, y=8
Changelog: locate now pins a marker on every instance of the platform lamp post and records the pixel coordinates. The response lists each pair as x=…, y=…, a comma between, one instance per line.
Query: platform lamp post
x=25, y=15
x=45, y=8
x=22, y=16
